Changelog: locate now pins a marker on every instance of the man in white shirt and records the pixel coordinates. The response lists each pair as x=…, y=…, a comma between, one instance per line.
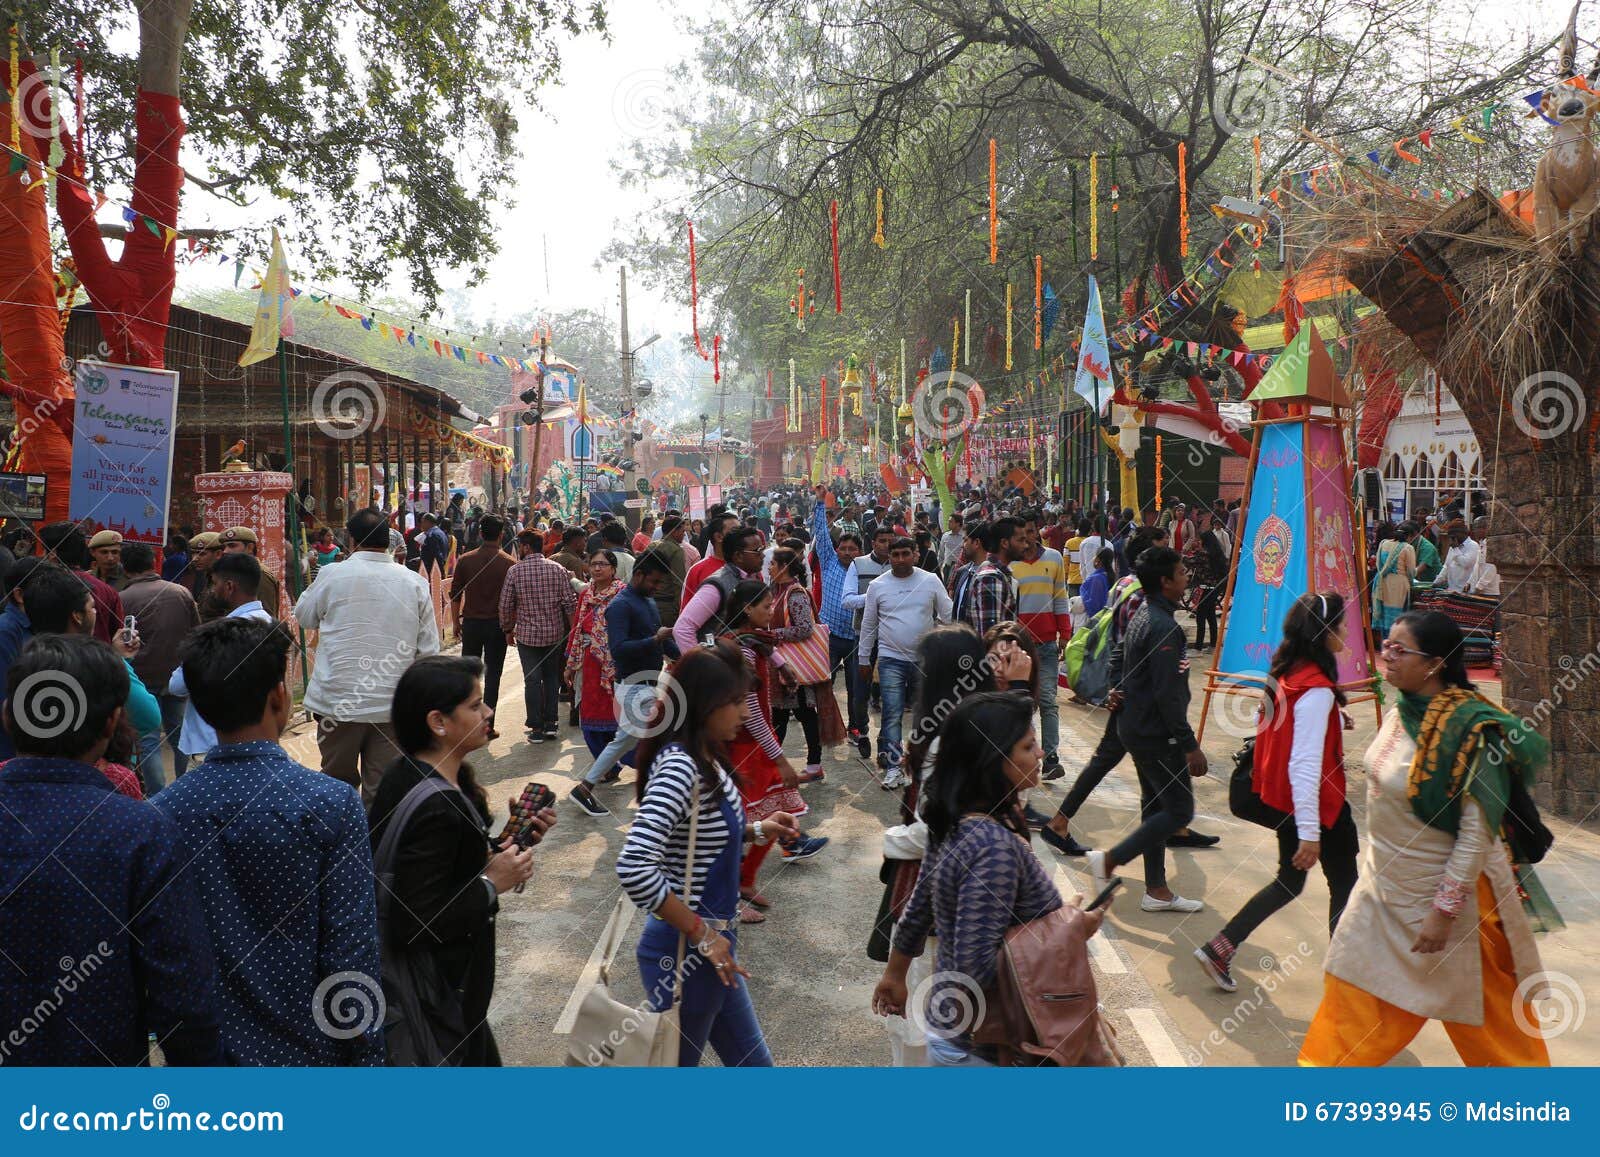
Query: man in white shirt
x=1088, y=551
x=373, y=619
x=950, y=544
x=235, y=583
x=901, y=606
x=1461, y=563
x=1485, y=578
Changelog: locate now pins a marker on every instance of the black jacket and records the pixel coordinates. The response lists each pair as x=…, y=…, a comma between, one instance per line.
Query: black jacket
x=1146, y=665
x=440, y=906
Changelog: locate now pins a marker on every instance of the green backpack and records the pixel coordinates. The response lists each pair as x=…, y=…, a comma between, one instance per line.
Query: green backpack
x=1088, y=651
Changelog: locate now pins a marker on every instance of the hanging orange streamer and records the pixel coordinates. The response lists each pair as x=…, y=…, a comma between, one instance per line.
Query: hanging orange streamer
x=1158, y=471
x=994, y=219
x=1183, y=201
x=694, y=296
x=877, y=238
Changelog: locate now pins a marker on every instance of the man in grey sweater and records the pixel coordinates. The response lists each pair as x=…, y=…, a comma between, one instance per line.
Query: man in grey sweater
x=901, y=606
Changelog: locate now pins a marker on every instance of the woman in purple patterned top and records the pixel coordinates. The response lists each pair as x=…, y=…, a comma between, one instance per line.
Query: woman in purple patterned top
x=980, y=877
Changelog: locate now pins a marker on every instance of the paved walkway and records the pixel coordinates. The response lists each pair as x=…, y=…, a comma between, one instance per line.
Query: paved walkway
x=811, y=979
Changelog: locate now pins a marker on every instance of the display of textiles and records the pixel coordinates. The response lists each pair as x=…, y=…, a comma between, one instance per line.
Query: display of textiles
x=1476, y=615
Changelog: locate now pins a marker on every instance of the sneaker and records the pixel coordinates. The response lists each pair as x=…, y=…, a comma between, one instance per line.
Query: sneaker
x=1036, y=819
x=553, y=735
x=535, y=737
x=863, y=744
x=1098, y=873
x=804, y=848
x=1216, y=968
x=813, y=773
x=1176, y=904
x=1193, y=839
x=1052, y=768
x=1066, y=845
x=894, y=779
x=613, y=775
x=583, y=796
x=883, y=761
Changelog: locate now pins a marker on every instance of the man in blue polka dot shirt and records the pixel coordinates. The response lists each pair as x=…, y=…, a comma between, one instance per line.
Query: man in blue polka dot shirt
x=283, y=864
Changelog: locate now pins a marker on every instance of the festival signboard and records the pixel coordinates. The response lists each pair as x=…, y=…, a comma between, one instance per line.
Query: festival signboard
x=122, y=439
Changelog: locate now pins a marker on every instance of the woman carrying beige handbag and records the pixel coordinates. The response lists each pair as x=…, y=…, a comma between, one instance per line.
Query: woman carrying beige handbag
x=691, y=817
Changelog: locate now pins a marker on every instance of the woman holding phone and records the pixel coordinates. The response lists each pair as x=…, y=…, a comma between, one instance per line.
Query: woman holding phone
x=448, y=877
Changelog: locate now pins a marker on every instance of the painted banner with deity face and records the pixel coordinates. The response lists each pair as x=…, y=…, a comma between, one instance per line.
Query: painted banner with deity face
x=1271, y=554
x=1297, y=537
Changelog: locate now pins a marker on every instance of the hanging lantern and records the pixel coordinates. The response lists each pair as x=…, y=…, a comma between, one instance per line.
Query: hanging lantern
x=851, y=382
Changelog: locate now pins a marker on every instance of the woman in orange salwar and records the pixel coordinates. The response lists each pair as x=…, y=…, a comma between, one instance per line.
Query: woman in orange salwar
x=1436, y=928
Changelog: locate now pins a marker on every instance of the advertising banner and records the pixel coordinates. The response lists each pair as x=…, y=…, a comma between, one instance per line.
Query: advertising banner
x=122, y=442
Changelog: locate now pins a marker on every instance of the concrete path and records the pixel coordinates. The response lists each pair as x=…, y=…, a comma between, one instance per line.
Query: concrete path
x=811, y=978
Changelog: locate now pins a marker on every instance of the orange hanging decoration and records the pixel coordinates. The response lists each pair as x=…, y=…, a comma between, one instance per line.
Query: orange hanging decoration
x=994, y=219
x=1158, y=471
x=694, y=296
x=877, y=237
x=1183, y=201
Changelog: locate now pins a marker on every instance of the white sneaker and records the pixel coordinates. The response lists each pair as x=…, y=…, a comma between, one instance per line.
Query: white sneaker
x=1098, y=873
x=895, y=779
x=1176, y=904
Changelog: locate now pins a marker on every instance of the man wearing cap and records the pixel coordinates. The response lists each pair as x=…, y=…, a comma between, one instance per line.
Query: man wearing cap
x=105, y=548
x=242, y=540
x=203, y=551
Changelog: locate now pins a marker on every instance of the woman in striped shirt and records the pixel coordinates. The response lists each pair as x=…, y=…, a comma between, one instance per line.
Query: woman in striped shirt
x=683, y=765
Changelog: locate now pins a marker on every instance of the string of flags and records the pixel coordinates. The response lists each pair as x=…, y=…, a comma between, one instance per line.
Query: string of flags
x=197, y=250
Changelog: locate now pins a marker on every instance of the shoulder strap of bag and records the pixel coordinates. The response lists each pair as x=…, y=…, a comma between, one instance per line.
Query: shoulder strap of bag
x=611, y=936
x=383, y=860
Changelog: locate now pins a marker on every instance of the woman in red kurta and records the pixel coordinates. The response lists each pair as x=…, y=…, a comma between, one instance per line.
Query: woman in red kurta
x=767, y=780
x=589, y=651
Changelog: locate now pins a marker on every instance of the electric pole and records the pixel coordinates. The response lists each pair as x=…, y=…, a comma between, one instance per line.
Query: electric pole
x=629, y=515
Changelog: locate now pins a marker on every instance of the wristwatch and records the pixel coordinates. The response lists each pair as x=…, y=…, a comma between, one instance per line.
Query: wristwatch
x=760, y=833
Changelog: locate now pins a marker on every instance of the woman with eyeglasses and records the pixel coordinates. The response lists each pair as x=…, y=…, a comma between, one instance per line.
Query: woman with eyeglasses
x=1299, y=770
x=1436, y=927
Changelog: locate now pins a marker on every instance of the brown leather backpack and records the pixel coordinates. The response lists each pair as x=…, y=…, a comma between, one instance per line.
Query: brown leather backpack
x=1043, y=1008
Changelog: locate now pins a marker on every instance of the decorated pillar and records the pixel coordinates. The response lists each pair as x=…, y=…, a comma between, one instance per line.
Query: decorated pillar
x=253, y=498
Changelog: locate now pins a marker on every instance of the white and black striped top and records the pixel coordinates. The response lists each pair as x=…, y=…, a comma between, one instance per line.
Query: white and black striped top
x=652, y=860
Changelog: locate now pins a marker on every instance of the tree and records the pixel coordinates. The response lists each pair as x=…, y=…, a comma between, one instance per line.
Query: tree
x=796, y=106
x=277, y=107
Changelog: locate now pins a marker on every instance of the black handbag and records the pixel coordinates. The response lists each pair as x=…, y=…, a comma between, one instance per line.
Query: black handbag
x=1524, y=831
x=423, y=1019
x=1242, y=798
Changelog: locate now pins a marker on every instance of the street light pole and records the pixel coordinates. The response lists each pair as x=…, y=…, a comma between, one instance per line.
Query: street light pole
x=705, y=464
x=629, y=518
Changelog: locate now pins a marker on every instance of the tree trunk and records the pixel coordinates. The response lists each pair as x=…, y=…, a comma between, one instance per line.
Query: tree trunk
x=31, y=333
x=1541, y=474
x=133, y=295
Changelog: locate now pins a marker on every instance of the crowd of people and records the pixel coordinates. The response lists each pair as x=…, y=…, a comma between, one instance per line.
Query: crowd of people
x=219, y=905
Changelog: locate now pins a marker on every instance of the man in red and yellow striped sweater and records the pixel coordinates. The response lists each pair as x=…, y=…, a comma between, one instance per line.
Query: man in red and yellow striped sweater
x=1041, y=578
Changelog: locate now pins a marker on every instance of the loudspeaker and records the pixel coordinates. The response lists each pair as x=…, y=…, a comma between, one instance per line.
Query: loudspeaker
x=1372, y=488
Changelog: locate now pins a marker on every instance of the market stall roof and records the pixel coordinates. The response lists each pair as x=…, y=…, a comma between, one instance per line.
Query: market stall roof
x=204, y=349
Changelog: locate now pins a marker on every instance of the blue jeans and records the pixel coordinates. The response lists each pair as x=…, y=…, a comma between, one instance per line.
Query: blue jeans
x=633, y=710
x=152, y=768
x=1049, y=709
x=711, y=1014
x=842, y=653
x=896, y=677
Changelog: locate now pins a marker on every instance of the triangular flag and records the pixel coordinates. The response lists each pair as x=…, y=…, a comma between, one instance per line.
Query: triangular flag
x=274, y=319
x=1092, y=381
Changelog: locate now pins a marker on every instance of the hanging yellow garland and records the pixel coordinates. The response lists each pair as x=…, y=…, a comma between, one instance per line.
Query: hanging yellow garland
x=966, y=349
x=1008, y=325
x=1183, y=201
x=877, y=238
x=1094, y=206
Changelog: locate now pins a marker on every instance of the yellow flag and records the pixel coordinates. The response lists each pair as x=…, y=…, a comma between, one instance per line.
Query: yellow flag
x=273, y=309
